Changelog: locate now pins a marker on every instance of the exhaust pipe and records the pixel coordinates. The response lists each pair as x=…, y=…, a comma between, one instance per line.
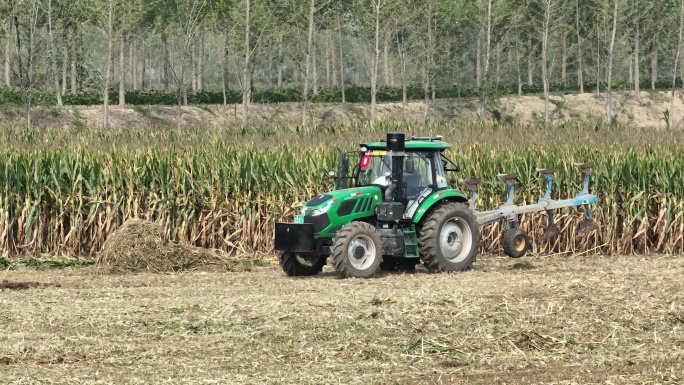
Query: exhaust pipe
x=395, y=147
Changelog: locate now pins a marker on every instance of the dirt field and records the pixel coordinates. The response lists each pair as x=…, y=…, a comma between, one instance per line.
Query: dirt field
x=535, y=320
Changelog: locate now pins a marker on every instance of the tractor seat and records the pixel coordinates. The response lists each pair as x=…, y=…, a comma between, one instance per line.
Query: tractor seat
x=414, y=184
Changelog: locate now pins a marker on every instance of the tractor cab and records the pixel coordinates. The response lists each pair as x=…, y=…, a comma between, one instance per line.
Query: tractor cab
x=422, y=170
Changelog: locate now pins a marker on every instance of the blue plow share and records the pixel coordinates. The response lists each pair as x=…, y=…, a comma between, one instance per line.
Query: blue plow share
x=516, y=242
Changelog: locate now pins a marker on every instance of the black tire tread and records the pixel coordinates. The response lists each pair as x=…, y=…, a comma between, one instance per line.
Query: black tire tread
x=508, y=243
x=339, y=256
x=429, y=232
x=293, y=268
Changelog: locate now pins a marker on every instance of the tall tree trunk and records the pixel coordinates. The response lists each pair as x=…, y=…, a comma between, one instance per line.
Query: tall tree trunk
x=65, y=59
x=598, y=62
x=280, y=59
x=133, y=64
x=478, y=59
x=122, y=72
x=333, y=59
x=402, y=64
x=376, y=59
x=165, y=58
x=224, y=71
x=73, y=57
x=314, y=65
x=328, y=80
x=545, y=75
x=564, y=64
x=108, y=71
x=247, y=81
x=385, y=58
x=654, y=62
x=143, y=71
x=53, y=58
x=609, y=95
x=193, y=66
x=8, y=54
x=580, y=75
x=200, y=64
x=428, y=64
x=483, y=99
x=671, y=120
x=309, y=59
x=339, y=30
x=530, y=78
x=517, y=61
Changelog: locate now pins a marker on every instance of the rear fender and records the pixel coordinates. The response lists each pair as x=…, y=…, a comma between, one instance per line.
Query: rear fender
x=436, y=198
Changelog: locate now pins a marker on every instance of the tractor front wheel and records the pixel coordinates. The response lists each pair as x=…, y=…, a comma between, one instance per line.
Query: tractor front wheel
x=357, y=250
x=295, y=265
x=449, y=238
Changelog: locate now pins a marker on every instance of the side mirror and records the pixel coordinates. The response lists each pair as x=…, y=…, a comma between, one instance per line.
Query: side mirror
x=409, y=167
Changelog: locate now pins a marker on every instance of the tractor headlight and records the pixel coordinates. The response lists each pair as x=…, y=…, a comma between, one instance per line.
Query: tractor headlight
x=322, y=210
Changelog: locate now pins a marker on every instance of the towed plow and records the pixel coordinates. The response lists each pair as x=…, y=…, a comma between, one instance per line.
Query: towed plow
x=516, y=242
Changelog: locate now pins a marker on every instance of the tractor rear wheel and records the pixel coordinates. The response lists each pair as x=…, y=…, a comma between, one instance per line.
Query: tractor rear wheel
x=449, y=238
x=296, y=265
x=357, y=250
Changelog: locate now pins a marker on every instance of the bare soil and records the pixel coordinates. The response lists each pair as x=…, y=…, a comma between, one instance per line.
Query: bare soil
x=571, y=320
x=650, y=112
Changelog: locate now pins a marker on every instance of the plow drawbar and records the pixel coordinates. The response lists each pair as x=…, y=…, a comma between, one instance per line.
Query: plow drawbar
x=516, y=242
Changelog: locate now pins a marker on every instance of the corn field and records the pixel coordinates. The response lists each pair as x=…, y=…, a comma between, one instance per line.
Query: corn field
x=65, y=191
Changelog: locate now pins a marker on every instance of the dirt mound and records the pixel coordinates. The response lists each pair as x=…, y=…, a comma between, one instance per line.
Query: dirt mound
x=140, y=245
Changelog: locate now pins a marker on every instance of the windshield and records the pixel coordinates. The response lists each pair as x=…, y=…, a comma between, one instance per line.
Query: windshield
x=375, y=172
x=378, y=163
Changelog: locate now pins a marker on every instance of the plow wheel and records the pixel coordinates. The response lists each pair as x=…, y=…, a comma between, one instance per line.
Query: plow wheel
x=357, y=250
x=516, y=243
x=449, y=238
x=296, y=265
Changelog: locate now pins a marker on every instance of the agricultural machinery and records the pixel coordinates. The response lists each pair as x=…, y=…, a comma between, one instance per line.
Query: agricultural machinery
x=395, y=210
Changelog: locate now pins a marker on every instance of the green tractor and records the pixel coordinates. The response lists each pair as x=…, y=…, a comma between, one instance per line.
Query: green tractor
x=393, y=211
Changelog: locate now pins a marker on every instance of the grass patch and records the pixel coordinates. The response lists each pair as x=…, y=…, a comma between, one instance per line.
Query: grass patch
x=40, y=264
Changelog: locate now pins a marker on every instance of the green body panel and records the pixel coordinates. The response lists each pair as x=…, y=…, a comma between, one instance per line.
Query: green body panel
x=412, y=145
x=436, y=197
x=345, y=205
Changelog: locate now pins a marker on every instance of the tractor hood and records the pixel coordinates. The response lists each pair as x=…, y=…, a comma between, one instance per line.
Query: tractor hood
x=330, y=211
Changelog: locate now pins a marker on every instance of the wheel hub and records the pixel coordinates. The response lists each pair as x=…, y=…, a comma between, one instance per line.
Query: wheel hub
x=361, y=252
x=519, y=243
x=455, y=240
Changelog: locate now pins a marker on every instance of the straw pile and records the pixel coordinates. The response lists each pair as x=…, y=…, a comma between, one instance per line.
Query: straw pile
x=140, y=245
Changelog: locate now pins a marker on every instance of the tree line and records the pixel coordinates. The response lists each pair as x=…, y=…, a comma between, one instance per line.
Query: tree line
x=193, y=47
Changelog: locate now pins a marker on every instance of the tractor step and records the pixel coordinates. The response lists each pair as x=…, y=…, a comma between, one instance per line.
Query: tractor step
x=411, y=242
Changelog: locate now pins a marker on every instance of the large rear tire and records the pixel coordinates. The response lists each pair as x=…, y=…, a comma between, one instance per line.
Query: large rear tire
x=296, y=265
x=357, y=250
x=449, y=238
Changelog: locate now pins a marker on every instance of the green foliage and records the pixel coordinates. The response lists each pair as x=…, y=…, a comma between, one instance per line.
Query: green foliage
x=354, y=94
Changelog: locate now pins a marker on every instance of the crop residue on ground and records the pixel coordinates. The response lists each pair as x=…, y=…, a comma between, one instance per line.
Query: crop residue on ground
x=585, y=319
